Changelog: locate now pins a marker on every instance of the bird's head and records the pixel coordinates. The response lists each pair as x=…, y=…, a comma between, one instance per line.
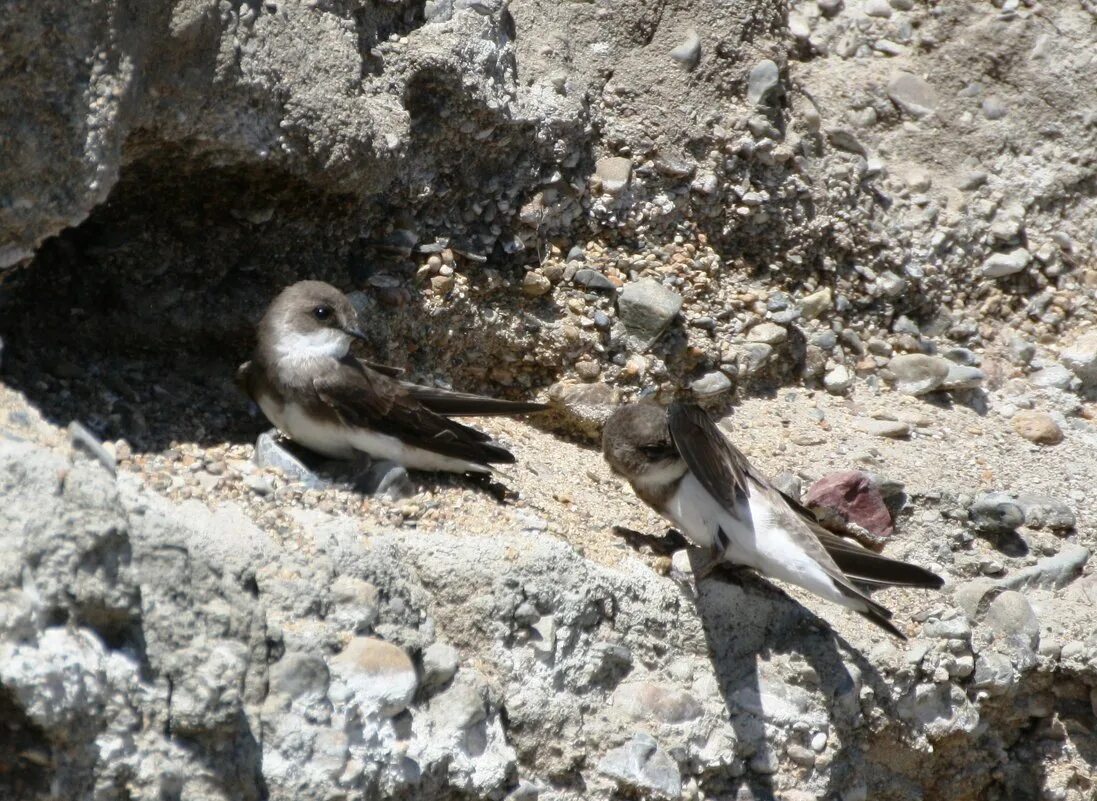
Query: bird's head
x=636, y=442
x=311, y=319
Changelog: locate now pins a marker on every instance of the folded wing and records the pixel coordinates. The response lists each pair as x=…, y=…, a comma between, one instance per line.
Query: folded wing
x=364, y=397
x=862, y=565
x=727, y=475
x=715, y=462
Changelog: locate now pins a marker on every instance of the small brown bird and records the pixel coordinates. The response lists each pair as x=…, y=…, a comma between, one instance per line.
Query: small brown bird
x=681, y=465
x=308, y=384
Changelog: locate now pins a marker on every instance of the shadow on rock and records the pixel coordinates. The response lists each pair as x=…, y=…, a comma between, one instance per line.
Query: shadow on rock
x=785, y=679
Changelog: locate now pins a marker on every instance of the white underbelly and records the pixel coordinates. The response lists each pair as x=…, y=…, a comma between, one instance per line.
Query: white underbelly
x=694, y=512
x=757, y=541
x=781, y=555
x=341, y=442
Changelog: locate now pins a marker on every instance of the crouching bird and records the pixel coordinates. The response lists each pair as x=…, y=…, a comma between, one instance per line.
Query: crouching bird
x=308, y=383
x=680, y=464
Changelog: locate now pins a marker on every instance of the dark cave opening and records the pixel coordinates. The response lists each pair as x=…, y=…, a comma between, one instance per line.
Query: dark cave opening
x=134, y=321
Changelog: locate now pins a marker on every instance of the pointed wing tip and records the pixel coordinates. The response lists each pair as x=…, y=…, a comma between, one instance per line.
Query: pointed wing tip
x=873, y=615
x=458, y=404
x=922, y=578
x=860, y=564
x=497, y=454
x=529, y=407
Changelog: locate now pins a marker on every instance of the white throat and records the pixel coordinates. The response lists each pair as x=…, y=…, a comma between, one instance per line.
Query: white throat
x=294, y=348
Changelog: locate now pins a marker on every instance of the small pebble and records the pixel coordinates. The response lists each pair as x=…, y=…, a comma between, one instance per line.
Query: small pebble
x=764, y=78
x=996, y=511
x=440, y=662
x=711, y=384
x=646, y=308
x=912, y=94
x=999, y=265
x=688, y=53
x=1038, y=427
x=962, y=377
x=588, y=369
x=838, y=381
x=592, y=279
x=380, y=675
x=1055, y=376
x=815, y=304
x=442, y=284
x=614, y=172
x=1043, y=512
x=534, y=284
x=994, y=108
x=892, y=429
x=1081, y=358
x=259, y=484
x=768, y=333
x=917, y=373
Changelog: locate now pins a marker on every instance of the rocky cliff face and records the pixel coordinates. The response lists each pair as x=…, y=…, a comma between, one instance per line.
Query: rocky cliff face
x=883, y=211
x=257, y=641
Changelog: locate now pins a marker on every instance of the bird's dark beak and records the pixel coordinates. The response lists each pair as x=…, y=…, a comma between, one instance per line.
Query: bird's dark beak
x=355, y=332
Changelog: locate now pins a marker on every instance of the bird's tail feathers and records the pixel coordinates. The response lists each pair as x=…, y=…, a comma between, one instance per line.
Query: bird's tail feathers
x=861, y=564
x=872, y=611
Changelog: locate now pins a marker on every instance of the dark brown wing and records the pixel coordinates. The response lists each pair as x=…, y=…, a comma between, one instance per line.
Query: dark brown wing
x=861, y=564
x=727, y=475
x=383, y=369
x=454, y=404
x=465, y=404
x=715, y=462
x=365, y=398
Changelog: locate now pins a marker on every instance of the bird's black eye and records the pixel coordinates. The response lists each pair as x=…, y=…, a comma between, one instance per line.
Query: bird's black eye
x=322, y=313
x=658, y=451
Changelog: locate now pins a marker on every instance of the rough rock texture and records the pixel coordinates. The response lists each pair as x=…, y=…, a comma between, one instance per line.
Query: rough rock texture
x=153, y=650
x=850, y=500
x=891, y=201
x=447, y=159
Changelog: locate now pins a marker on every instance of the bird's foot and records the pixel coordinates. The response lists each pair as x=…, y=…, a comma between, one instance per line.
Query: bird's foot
x=703, y=571
x=728, y=570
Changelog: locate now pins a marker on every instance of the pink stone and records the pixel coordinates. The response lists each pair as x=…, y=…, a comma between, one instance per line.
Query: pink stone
x=850, y=502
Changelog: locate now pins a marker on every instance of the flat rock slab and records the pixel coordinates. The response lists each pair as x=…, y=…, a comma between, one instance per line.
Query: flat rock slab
x=646, y=308
x=912, y=94
x=918, y=374
x=368, y=476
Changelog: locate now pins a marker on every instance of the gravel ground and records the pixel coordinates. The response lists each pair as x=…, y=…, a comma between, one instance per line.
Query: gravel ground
x=952, y=453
